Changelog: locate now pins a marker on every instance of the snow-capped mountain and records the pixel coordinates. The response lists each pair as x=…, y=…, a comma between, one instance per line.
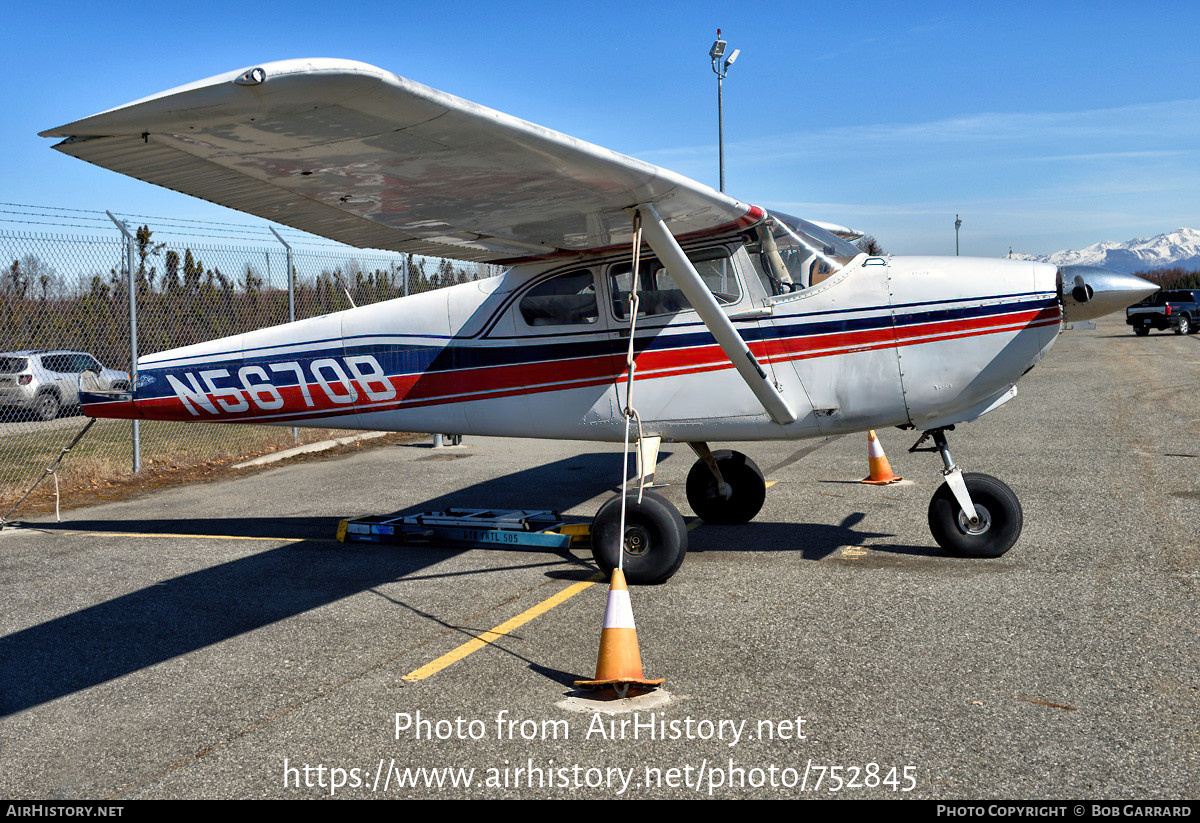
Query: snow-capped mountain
x=1179, y=248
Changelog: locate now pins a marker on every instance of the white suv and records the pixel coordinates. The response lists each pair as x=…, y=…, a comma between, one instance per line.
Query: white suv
x=42, y=383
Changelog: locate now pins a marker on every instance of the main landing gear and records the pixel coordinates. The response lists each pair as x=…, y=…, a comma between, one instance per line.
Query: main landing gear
x=655, y=537
x=970, y=515
x=723, y=487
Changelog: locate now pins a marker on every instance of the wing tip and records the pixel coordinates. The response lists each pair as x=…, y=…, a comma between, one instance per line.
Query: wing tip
x=113, y=121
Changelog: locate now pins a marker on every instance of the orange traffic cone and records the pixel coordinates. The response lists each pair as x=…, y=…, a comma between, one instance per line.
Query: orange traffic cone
x=881, y=470
x=620, y=663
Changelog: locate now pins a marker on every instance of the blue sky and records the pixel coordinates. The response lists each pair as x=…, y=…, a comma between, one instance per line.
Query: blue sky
x=1045, y=125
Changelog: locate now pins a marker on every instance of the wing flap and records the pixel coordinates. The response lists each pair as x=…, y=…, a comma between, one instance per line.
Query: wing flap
x=362, y=156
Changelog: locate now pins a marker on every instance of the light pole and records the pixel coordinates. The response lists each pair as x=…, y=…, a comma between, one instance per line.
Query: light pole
x=957, y=226
x=720, y=69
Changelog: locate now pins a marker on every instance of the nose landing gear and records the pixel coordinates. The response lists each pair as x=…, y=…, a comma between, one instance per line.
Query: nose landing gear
x=970, y=515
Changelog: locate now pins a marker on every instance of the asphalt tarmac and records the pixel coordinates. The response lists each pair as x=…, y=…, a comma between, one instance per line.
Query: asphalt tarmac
x=215, y=641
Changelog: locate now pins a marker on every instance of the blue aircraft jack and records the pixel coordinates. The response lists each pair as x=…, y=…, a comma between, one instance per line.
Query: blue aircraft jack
x=476, y=528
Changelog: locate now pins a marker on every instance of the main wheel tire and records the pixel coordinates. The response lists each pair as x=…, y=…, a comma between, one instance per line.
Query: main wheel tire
x=745, y=480
x=1141, y=331
x=999, y=513
x=654, y=543
x=47, y=406
x=1184, y=326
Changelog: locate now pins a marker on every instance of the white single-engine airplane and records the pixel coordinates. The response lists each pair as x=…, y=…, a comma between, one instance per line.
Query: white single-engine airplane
x=746, y=325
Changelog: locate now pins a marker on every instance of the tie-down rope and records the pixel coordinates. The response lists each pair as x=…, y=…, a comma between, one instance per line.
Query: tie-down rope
x=629, y=412
x=51, y=469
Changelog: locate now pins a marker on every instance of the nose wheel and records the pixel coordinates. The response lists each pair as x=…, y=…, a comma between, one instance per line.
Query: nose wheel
x=971, y=515
x=993, y=530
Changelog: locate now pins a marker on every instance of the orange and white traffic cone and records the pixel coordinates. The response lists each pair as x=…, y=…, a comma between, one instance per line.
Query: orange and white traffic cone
x=620, y=663
x=881, y=470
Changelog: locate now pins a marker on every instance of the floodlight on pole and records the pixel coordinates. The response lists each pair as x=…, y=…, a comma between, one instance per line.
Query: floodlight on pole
x=718, y=49
x=957, y=226
x=720, y=69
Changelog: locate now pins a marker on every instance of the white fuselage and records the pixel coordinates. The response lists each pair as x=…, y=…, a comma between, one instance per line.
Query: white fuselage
x=921, y=341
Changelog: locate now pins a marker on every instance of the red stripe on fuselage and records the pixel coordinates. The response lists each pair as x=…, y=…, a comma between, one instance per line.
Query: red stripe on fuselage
x=435, y=388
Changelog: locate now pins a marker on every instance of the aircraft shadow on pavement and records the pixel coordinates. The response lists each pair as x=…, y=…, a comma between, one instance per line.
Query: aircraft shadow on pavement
x=559, y=486
x=811, y=541
x=189, y=612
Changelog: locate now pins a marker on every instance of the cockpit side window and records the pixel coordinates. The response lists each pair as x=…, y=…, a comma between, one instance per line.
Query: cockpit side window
x=792, y=254
x=565, y=300
x=661, y=295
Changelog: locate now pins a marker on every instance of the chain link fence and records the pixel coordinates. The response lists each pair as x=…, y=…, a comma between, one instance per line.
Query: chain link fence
x=65, y=303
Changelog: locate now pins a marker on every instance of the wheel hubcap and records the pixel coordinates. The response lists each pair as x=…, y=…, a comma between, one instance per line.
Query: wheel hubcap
x=637, y=541
x=980, y=526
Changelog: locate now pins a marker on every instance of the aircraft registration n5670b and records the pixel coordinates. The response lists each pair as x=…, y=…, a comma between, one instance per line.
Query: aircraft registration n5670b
x=743, y=324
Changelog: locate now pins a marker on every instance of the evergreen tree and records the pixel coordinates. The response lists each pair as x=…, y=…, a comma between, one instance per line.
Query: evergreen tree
x=871, y=246
x=171, y=271
x=193, y=270
x=145, y=250
x=17, y=281
x=1173, y=277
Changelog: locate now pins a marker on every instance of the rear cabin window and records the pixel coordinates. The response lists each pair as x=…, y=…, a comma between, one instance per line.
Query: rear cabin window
x=659, y=294
x=565, y=300
x=12, y=365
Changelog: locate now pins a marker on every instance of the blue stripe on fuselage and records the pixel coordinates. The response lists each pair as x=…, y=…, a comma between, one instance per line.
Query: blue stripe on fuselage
x=414, y=358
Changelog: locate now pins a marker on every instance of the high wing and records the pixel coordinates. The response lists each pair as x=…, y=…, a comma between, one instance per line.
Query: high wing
x=357, y=154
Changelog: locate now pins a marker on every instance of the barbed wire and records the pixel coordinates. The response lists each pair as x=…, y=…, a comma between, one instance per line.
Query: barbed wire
x=188, y=226
x=44, y=223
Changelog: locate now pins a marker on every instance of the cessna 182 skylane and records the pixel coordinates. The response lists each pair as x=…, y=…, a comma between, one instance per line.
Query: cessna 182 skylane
x=750, y=325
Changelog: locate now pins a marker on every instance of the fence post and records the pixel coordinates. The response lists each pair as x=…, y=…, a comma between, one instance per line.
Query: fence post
x=291, y=276
x=291, y=272
x=133, y=350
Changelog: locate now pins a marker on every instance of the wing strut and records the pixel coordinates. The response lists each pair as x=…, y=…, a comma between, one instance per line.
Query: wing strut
x=688, y=279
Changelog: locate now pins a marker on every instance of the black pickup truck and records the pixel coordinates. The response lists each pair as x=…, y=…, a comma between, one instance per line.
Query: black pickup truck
x=1178, y=309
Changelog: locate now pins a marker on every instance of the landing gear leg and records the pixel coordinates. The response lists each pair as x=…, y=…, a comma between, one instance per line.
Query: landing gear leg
x=647, y=459
x=971, y=515
x=725, y=487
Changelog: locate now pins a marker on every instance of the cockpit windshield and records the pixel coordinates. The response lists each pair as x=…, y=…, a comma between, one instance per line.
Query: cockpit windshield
x=792, y=254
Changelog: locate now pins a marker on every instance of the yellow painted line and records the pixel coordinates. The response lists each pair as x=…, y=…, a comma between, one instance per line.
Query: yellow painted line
x=771, y=483
x=492, y=635
x=194, y=536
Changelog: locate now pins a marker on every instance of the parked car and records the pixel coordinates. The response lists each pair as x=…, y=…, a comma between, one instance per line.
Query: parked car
x=40, y=384
x=1177, y=309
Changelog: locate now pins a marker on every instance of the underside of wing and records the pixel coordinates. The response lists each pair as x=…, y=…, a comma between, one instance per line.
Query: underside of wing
x=359, y=155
